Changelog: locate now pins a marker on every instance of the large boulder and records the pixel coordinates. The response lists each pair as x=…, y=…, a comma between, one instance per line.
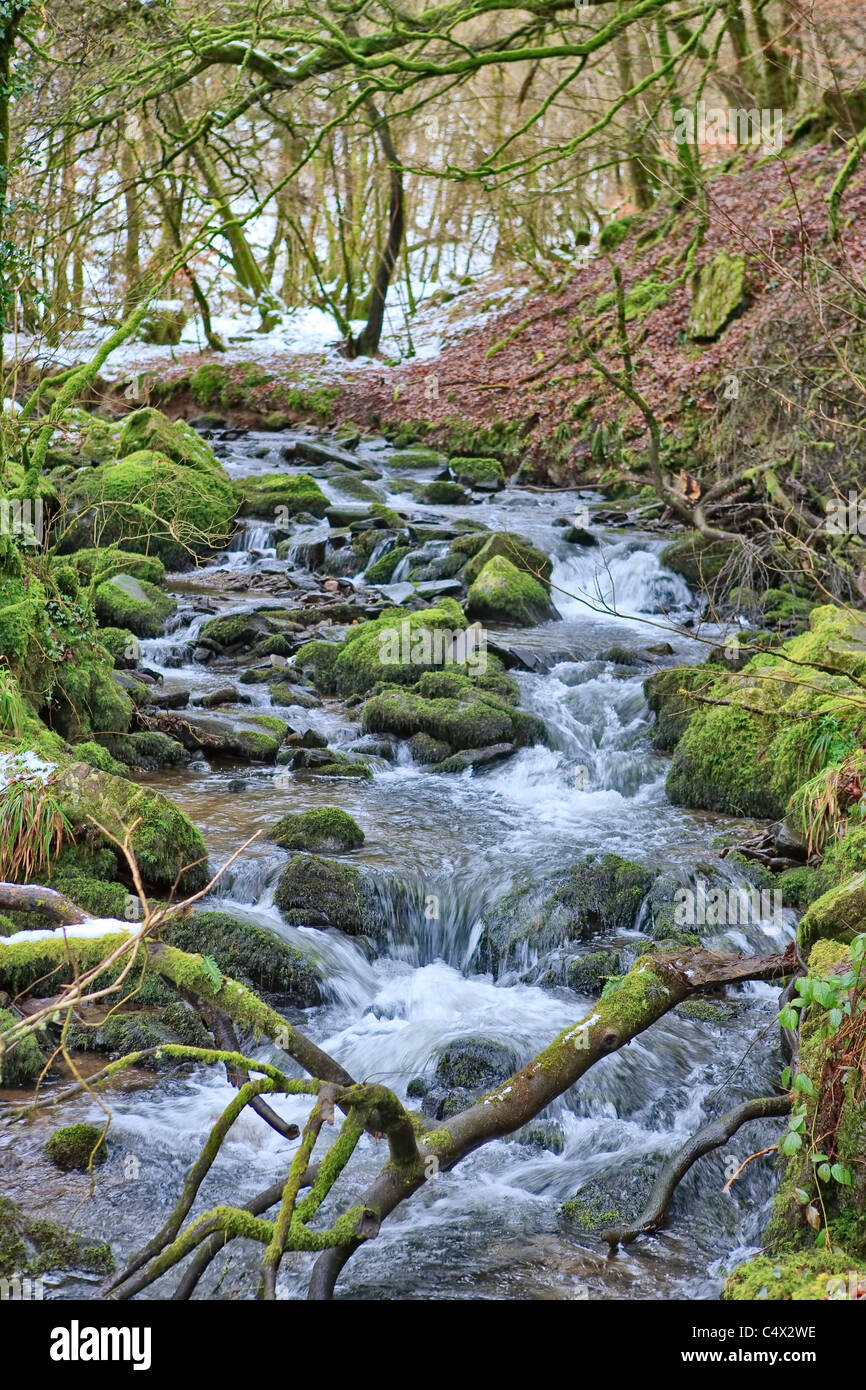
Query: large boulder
x=317, y=892
x=174, y=439
x=165, y=841
x=718, y=293
x=323, y=828
x=248, y=953
x=149, y=502
x=126, y=602
x=265, y=493
x=502, y=593
x=594, y=896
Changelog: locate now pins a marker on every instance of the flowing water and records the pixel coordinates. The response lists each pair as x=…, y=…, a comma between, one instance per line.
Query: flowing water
x=491, y=1228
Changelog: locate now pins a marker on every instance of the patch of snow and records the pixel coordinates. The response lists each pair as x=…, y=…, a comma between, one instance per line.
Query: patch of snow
x=27, y=766
x=90, y=928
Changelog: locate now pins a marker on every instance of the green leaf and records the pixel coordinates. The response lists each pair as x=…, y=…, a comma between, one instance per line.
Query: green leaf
x=801, y=1195
x=803, y=1084
x=841, y=1174
x=788, y=1018
x=791, y=1143
x=786, y=1077
x=836, y=1016
x=824, y=1172
x=213, y=972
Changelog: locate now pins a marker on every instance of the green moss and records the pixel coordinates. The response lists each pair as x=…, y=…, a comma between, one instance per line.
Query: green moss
x=718, y=292
x=323, y=828
x=321, y=892
x=126, y=602
x=317, y=659
x=476, y=721
x=505, y=594
x=808, y=1276
x=248, y=953
x=264, y=493
x=416, y=458
x=31, y=1246
x=444, y=494
x=75, y=1147
x=164, y=839
x=839, y=914
x=147, y=502
x=173, y=439
x=373, y=652
x=381, y=570
x=21, y=1064
x=508, y=544
x=484, y=473
x=100, y=564
x=720, y=765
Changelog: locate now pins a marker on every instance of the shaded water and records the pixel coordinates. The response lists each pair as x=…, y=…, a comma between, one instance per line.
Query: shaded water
x=491, y=1228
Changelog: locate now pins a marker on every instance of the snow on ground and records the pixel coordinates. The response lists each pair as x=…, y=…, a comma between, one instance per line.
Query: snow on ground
x=28, y=766
x=444, y=313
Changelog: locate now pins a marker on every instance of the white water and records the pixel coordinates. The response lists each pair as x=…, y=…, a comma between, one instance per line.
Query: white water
x=489, y=1229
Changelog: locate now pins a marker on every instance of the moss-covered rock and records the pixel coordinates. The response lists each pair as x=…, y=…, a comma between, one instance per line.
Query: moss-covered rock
x=597, y=895
x=718, y=293
x=416, y=458
x=808, y=1276
x=471, y=718
x=149, y=429
x=30, y=1246
x=395, y=647
x=147, y=502
x=839, y=914
x=75, y=1147
x=502, y=593
x=126, y=602
x=698, y=559
x=21, y=1064
x=323, y=828
x=382, y=570
x=483, y=474
x=262, y=494
x=320, y=892
x=95, y=565
x=165, y=841
x=511, y=546
x=443, y=494
x=249, y=953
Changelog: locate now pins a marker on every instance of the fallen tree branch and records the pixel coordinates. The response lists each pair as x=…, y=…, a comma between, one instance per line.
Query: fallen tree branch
x=710, y=1136
x=17, y=897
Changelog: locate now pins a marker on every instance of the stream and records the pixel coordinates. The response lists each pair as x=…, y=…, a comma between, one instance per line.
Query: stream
x=491, y=1229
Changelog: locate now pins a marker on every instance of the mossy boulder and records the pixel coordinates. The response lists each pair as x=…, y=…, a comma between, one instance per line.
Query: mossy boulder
x=165, y=841
x=395, y=647
x=249, y=953
x=323, y=828
x=415, y=458
x=511, y=546
x=20, y=1065
x=318, y=892
x=808, y=1276
x=148, y=502
x=30, y=1246
x=141, y=1030
x=75, y=1147
x=599, y=894
x=467, y=718
x=475, y=1063
x=483, y=474
x=382, y=570
x=839, y=914
x=443, y=494
x=149, y=429
x=262, y=494
x=502, y=593
x=718, y=293
x=749, y=744
x=95, y=565
x=126, y=602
